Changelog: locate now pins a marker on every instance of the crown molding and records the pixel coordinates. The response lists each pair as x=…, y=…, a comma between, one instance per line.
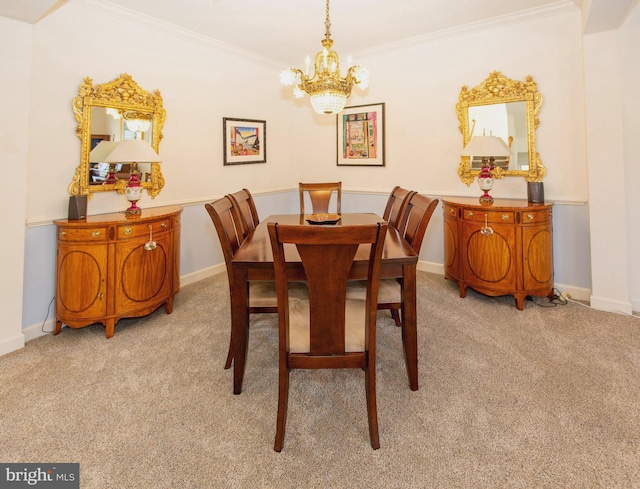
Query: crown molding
x=120, y=12
x=552, y=9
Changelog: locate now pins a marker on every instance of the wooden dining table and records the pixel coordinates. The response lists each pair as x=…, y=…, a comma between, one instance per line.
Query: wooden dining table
x=254, y=261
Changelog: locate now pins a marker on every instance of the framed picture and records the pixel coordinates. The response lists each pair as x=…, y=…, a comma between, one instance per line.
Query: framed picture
x=245, y=141
x=361, y=135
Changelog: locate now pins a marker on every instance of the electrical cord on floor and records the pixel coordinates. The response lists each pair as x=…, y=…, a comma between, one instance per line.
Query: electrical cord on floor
x=45, y=318
x=557, y=300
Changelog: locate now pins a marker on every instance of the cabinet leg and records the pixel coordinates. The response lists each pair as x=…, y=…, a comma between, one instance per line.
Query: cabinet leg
x=58, y=327
x=463, y=289
x=520, y=301
x=168, y=306
x=110, y=327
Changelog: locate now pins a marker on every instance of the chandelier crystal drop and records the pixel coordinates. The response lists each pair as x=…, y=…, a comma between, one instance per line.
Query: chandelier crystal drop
x=328, y=90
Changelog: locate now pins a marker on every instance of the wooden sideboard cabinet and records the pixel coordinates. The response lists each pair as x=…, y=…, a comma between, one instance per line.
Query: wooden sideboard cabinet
x=110, y=266
x=502, y=249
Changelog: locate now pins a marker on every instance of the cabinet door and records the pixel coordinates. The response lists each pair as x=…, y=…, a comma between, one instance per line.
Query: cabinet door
x=537, y=247
x=142, y=275
x=489, y=260
x=451, y=243
x=81, y=282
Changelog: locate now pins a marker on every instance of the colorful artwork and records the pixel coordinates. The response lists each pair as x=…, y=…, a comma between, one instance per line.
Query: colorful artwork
x=244, y=141
x=361, y=136
x=360, y=132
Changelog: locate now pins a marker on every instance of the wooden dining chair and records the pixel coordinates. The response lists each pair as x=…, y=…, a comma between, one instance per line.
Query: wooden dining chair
x=320, y=195
x=395, y=205
x=262, y=295
x=412, y=226
x=327, y=331
x=246, y=209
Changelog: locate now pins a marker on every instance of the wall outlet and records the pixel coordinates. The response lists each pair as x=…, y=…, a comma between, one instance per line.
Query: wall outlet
x=565, y=295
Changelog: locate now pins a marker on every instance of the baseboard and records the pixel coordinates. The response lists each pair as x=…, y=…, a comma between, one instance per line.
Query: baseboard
x=605, y=304
x=577, y=293
x=431, y=267
x=37, y=330
x=202, y=274
x=12, y=344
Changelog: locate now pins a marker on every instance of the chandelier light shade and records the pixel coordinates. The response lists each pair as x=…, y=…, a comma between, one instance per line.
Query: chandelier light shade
x=487, y=148
x=133, y=151
x=328, y=90
x=138, y=125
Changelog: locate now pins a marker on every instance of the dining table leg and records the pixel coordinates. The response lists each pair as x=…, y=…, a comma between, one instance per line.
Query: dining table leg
x=239, y=325
x=410, y=326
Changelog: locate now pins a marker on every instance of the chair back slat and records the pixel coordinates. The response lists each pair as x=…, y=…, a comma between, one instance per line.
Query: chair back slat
x=327, y=294
x=396, y=204
x=228, y=227
x=320, y=195
x=246, y=209
x=415, y=219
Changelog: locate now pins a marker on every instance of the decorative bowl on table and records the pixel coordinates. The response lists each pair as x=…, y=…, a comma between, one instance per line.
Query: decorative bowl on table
x=322, y=218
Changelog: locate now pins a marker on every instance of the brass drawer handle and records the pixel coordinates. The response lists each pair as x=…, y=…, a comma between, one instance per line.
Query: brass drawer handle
x=127, y=230
x=452, y=212
x=95, y=234
x=163, y=225
x=505, y=217
x=63, y=233
x=530, y=217
x=470, y=214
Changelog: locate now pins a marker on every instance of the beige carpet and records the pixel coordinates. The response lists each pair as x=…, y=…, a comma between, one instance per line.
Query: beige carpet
x=542, y=398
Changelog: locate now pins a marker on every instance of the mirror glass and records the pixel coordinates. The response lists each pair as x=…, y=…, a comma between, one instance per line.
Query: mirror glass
x=107, y=114
x=508, y=109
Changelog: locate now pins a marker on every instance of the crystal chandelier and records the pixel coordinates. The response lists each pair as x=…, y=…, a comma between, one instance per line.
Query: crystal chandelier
x=328, y=90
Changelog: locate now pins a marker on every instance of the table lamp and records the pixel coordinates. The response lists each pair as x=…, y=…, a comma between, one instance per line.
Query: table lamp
x=486, y=147
x=133, y=151
x=99, y=155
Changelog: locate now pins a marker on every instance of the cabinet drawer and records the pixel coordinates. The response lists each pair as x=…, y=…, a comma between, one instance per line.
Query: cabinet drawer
x=537, y=216
x=142, y=229
x=478, y=215
x=82, y=234
x=449, y=210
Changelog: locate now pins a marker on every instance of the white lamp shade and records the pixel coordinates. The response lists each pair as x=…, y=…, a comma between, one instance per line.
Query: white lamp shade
x=101, y=151
x=486, y=146
x=133, y=151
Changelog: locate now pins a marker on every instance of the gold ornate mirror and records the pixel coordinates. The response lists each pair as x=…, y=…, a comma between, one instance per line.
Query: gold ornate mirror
x=509, y=109
x=113, y=112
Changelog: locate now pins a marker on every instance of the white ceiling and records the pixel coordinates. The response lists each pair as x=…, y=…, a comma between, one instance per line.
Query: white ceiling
x=287, y=30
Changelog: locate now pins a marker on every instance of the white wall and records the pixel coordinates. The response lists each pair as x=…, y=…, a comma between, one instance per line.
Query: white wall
x=201, y=82
x=629, y=42
x=15, y=53
x=607, y=210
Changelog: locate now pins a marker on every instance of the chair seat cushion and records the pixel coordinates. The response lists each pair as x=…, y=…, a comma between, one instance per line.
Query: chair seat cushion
x=389, y=290
x=263, y=293
x=299, y=339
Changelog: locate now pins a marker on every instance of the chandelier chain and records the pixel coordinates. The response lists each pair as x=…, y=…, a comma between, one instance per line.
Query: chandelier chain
x=327, y=24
